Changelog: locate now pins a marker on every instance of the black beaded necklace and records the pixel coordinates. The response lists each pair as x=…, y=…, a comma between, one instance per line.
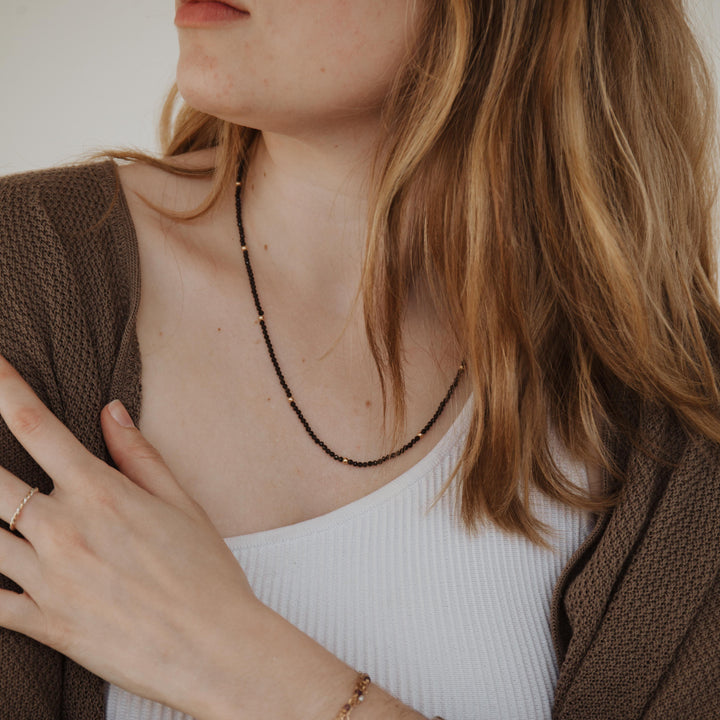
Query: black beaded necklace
x=281, y=377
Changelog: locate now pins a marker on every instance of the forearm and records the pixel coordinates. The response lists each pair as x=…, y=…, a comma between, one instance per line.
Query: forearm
x=281, y=672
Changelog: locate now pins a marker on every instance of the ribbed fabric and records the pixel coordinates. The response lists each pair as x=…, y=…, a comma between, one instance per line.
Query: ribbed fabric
x=451, y=623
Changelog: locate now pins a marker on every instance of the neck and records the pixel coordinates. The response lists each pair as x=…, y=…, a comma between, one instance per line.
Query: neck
x=311, y=198
x=331, y=172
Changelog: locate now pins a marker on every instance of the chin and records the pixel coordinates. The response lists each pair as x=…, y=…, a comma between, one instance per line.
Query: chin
x=247, y=110
x=203, y=88
x=247, y=99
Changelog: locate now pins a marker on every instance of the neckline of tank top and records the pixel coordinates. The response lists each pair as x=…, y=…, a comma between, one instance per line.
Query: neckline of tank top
x=455, y=434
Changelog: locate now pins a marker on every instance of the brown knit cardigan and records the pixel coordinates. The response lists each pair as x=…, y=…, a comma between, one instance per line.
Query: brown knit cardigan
x=635, y=615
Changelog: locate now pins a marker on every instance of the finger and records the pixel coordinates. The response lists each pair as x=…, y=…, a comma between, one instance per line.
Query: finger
x=49, y=442
x=19, y=612
x=16, y=501
x=137, y=459
x=18, y=561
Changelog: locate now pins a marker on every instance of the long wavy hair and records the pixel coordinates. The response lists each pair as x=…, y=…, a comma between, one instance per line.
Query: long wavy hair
x=547, y=169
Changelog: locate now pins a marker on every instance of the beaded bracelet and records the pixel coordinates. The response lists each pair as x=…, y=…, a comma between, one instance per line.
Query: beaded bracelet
x=361, y=686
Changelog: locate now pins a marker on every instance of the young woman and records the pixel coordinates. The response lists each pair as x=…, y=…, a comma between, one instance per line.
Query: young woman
x=424, y=297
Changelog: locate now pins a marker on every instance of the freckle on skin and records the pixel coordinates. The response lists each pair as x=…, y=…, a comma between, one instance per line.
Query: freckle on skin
x=208, y=62
x=322, y=69
x=303, y=359
x=368, y=403
x=218, y=329
x=265, y=246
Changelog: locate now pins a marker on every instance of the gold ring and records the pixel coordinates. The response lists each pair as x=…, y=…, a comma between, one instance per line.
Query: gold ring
x=22, y=504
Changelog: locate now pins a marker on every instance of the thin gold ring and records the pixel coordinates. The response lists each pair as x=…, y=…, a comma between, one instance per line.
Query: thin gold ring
x=22, y=504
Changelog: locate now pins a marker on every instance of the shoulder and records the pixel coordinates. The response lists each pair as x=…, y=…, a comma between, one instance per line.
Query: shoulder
x=59, y=212
x=154, y=193
x=62, y=226
x=63, y=194
x=68, y=259
x=78, y=176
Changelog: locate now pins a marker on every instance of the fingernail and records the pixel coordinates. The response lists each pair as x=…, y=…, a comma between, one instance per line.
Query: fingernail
x=120, y=414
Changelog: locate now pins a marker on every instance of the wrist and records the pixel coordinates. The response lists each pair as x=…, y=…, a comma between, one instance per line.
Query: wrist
x=278, y=670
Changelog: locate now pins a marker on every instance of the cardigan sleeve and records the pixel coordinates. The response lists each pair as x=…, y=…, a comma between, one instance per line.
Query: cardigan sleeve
x=65, y=303
x=30, y=674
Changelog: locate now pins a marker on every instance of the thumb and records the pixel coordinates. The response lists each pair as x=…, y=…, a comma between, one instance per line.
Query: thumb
x=138, y=460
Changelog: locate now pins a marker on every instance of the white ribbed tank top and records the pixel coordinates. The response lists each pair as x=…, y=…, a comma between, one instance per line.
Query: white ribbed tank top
x=452, y=624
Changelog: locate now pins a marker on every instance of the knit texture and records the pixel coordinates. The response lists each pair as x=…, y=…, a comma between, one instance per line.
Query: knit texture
x=69, y=285
x=635, y=615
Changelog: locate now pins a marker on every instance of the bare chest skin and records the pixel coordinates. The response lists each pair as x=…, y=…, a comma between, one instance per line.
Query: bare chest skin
x=211, y=402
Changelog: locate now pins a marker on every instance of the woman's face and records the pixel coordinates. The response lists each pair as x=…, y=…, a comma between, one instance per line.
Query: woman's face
x=293, y=66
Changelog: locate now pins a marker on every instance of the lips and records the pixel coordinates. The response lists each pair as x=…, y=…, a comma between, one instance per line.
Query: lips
x=208, y=13
x=233, y=5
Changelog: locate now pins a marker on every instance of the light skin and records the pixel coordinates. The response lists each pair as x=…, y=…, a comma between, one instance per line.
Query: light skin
x=109, y=554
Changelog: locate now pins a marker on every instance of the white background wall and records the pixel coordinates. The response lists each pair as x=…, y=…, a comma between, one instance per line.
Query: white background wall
x=79, y=75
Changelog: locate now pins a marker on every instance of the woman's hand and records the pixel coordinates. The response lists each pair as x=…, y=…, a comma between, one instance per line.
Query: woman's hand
x=122, y=571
